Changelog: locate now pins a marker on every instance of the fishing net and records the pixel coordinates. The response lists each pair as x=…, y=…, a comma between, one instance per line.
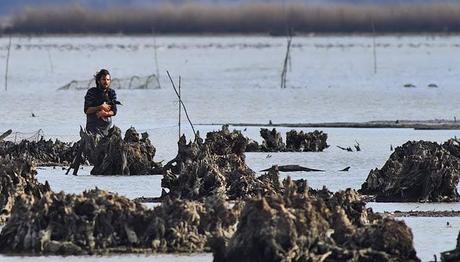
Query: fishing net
x=17, y=137
x=134, y=82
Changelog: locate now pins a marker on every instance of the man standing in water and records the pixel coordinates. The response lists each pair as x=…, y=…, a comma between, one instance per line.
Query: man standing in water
x=100, y=104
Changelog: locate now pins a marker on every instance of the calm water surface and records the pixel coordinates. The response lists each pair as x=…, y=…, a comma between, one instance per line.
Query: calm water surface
x=236, y=79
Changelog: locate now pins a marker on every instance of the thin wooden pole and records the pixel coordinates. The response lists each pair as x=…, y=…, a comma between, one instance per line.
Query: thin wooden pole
x=155, y=54
x=286, y=61
x=374, y=47
x=50, y=60
x=7, y=64
x=180, y=100
x=180, y=106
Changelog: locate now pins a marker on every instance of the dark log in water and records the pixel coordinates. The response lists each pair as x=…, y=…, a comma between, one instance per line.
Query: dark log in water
x=291, y=168
x=417, y=171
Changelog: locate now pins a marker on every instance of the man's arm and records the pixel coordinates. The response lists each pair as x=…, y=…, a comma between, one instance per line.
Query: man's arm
x=90, y=100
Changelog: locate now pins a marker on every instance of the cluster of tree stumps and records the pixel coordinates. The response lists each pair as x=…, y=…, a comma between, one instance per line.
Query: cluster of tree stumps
x=212, y=201
x=315, y=141
x=286, y=219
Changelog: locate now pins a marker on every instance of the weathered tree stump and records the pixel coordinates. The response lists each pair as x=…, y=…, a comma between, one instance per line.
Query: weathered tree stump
x=112, y=155
x=17, y=179
x=306, y=142
x=311, y=226
x=417, y=171
x=98, y=222
x=273, y=142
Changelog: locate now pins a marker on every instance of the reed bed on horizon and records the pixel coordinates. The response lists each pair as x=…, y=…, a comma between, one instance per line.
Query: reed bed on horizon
x=251, y=18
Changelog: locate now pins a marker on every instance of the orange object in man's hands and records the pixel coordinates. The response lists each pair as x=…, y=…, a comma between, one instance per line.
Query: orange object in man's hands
x=102, y=114
x=105, y=107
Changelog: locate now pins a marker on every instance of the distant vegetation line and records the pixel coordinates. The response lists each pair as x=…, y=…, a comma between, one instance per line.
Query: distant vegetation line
x=252, y=18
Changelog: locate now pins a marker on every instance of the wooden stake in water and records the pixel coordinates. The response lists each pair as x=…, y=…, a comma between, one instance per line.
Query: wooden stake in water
x=181, y=102
x=156, y=59
x=7, y=64
x=180, y=106
x=374, y=48
x=286, y=61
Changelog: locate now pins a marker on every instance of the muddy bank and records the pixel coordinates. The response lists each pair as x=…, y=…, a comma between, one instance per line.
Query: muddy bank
x=114, y=155
x=17, y=179
x=98, y=222
x=415, y=124
x=417, y=171
x=412, y=213
x=314, y=226
x=295, y=141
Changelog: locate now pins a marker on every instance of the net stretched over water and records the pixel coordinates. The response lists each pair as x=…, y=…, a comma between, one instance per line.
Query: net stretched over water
x=17, y=137
x=134, y=82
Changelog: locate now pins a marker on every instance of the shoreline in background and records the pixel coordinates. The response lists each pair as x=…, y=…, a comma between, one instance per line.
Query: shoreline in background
x=436, y=124
x=271, y=19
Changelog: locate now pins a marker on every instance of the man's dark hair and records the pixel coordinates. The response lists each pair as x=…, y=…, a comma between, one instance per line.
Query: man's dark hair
x=100, y=74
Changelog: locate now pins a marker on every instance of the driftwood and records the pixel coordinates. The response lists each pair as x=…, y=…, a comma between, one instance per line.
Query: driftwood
x=291, y=168
x=5, y=134
x=417, y=171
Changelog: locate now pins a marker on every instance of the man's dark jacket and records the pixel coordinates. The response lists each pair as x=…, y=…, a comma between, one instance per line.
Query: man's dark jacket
x=96, y=96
